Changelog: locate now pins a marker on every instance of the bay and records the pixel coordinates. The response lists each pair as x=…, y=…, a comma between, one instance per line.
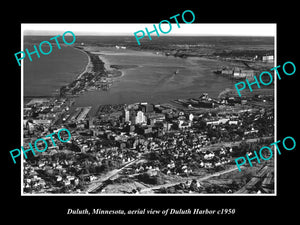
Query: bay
x=45, y=75
x=147, y=76
x=153, y=78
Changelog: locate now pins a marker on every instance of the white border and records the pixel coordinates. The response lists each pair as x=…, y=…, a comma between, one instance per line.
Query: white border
x=275, y=113
x=64, y=27
x=22, y=112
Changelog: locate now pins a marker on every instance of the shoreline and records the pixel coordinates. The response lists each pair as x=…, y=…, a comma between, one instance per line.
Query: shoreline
x=104, y=60
x=77, y=75
x=110, y=70
x=75, y=87
x=88, y=67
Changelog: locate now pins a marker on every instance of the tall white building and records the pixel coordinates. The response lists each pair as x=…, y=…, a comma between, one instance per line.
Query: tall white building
x=127, y=115
x=140, y=118
x=191, y=117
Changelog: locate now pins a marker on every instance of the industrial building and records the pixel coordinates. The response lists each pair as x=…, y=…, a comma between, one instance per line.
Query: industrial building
x=268, y=58
x=239, y=73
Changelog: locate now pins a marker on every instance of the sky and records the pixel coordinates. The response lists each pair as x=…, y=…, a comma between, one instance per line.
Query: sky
x=197, y=29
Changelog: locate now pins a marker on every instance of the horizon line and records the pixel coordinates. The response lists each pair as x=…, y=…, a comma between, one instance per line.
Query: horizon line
x=164, y=35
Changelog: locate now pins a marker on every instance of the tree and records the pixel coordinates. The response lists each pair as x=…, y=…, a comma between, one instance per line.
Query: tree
x=74, y=147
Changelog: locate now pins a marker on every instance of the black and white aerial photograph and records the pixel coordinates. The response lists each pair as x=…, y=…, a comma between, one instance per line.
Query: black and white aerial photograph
x=162, y=117
x=138, y=111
